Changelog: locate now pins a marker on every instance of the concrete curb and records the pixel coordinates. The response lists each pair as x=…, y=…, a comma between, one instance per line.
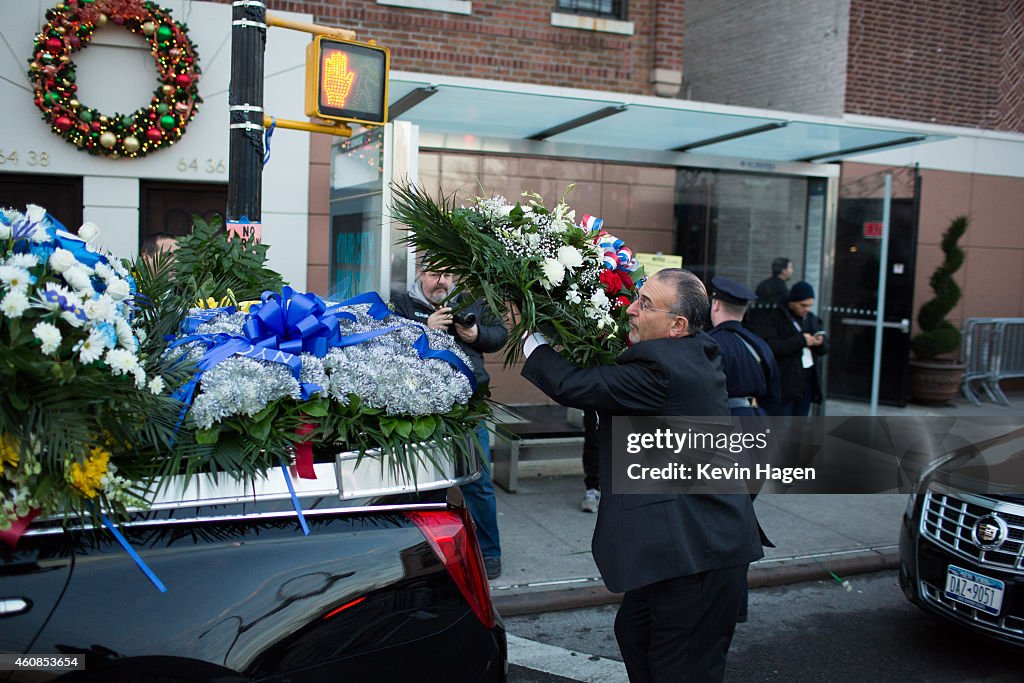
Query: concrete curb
x=761, y=575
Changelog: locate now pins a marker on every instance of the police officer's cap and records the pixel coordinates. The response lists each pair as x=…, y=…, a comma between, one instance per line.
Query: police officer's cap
x=731, y=292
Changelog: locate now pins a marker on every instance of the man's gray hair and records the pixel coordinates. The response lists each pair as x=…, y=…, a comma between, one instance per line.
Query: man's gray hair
x=691, y=296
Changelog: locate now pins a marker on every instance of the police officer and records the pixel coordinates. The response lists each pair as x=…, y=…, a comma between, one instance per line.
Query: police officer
x=751, y=374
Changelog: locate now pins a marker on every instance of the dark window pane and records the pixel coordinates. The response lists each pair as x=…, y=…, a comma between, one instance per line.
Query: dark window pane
x=612, y=9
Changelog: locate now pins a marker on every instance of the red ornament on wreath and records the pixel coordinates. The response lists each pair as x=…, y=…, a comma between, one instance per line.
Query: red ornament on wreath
x=69, y=28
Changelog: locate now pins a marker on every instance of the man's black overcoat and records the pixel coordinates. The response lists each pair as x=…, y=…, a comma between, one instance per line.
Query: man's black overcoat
x=641, y=539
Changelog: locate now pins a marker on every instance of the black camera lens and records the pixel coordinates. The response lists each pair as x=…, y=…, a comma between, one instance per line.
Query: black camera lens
x=465, y=319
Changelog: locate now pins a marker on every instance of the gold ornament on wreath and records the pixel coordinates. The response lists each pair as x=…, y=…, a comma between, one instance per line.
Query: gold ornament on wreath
x=69, y=28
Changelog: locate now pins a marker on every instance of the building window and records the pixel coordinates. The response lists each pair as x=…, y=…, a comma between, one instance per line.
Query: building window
x=606, y=9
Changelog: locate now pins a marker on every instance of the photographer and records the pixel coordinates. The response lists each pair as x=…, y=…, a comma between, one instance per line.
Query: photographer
x=477, y=332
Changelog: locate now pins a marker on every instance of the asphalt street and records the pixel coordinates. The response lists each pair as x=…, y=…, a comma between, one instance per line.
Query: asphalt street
x=812, y=631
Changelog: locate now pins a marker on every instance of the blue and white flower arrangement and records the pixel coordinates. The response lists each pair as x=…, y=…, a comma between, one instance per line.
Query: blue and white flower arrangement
x=296, y=374
x=75, y=380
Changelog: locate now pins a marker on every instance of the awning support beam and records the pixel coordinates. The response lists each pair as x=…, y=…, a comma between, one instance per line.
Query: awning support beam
x=731, y=136
x=866, y=148
x=410, y=100
x=579, y=121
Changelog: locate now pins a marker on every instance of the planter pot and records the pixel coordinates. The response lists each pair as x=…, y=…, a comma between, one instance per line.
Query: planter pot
x=935, y=381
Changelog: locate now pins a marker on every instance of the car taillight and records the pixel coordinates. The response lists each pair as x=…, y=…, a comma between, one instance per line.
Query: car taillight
x=449, y=533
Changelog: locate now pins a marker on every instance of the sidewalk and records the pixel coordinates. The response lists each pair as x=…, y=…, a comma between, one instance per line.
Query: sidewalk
x=545, y=538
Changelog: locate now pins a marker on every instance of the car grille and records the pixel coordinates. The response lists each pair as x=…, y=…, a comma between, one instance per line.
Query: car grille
x=1006, y=624
x=948, y=521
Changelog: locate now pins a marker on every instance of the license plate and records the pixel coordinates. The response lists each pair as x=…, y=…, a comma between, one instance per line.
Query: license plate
x=974, y=590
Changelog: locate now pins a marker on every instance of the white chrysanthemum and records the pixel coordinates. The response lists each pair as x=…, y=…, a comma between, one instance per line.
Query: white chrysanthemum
x=101, y=308
x=569, y=257
x=104, y=271
x=156, y=385
x=140, y=378
x=121, y=361
x=49, y=335
x=23, y=260
x=15, y=278
x=554, y=272
x=119, y=268
x=14, y=304
x=91, y=348
x=125, y=338
x=599, y=300
x=78, y=277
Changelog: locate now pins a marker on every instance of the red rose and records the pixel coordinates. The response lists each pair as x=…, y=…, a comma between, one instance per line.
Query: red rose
x=611, y=281
x=623, y=301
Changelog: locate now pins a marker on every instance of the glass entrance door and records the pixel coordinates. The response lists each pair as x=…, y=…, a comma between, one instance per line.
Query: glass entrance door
x=855, y=288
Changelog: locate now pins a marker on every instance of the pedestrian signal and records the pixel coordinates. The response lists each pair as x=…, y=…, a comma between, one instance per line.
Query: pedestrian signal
x=347, y=81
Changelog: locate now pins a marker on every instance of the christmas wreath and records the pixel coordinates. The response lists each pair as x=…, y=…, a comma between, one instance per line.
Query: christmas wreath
x=70, y=26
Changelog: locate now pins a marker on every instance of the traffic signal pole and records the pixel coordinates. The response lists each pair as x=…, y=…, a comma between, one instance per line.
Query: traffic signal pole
x=249, y=22
x=245, y=106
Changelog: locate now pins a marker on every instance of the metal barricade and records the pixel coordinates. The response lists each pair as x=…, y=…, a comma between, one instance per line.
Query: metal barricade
x=1009, y=359
x=992, y=350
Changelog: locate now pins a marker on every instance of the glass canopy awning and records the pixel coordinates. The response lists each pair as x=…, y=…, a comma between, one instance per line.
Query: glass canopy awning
x=518, y=111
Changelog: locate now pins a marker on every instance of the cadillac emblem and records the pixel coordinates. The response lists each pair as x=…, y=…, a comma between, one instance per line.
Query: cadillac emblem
x=989, y=532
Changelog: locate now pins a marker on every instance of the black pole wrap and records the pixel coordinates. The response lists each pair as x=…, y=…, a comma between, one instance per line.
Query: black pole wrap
x=245, y=103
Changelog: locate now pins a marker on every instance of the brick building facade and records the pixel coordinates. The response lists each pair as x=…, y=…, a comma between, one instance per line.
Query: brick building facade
x=516, y=41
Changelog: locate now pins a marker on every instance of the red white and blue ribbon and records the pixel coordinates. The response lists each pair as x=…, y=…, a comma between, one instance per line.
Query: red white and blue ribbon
x=616, y=253
x=592, y=223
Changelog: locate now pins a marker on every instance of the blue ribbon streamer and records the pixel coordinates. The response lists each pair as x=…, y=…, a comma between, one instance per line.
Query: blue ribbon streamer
x=73, y=244
x=139, y=562
x=266, y=140
x=295, y=499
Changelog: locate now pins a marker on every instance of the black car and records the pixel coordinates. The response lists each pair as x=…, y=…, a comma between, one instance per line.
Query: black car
x=388, y=585
x=962, y=540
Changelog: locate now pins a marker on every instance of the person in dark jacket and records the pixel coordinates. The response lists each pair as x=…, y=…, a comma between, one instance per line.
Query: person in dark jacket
x=796, y=337
x=477, y=331
x=773, y=291
x=680, y=559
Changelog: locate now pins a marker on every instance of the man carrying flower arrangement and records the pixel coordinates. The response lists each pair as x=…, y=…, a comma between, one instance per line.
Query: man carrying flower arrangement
x=681, y=560
x=477, y=331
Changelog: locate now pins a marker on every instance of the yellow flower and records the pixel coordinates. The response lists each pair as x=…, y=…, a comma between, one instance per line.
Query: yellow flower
x=8, y=451
x=87, y=478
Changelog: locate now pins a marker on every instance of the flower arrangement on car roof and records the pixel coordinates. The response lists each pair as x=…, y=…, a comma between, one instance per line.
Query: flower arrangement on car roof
x=296, y=371
x=116, y=379
x=84, y=408
x=537, y=266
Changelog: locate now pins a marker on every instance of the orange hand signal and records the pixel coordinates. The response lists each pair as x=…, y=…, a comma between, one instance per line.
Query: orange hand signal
x=337, y=79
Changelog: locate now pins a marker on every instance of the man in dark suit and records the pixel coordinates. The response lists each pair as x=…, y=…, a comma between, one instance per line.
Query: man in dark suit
x=773, y=291
x=681, y=560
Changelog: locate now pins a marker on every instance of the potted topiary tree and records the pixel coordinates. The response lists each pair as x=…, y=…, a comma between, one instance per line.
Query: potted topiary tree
x=935, y=376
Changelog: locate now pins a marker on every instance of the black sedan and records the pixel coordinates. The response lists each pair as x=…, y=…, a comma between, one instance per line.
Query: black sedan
x=383, y=588
x=962, y=540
